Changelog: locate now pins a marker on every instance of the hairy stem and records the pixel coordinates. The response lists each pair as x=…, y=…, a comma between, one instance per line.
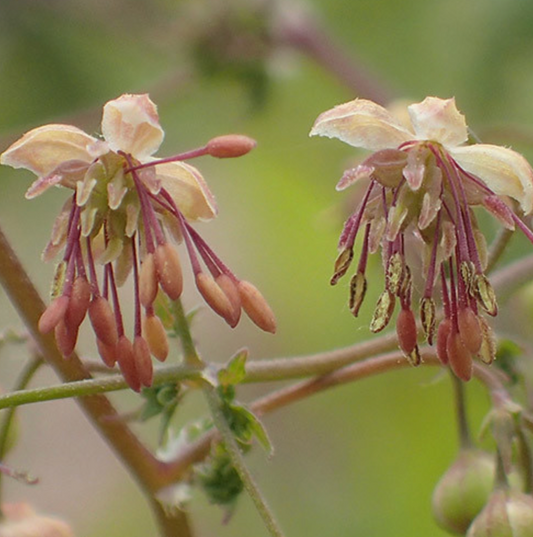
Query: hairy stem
x=214, y=402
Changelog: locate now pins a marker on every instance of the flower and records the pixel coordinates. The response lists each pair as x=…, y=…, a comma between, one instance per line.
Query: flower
x=423, y=182
x=125, y=206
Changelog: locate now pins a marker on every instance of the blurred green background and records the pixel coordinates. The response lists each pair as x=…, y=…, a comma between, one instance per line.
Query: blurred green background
x=358, y=460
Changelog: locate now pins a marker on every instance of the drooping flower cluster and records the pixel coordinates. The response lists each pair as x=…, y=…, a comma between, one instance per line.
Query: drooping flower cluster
x=125, y=207
x=422, y=184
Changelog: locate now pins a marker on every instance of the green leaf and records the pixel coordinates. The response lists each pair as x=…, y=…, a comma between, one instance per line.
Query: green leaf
x=257, y=429
x=235, y=371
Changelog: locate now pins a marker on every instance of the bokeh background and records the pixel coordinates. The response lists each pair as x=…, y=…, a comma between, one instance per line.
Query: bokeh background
x=358, y=460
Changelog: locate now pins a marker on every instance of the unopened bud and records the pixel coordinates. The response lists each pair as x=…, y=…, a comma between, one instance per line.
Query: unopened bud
x=66, y=338
x=485, y=294
x=459, y=356
x=395, y=273
x=487, y=351
x=53, y=314
x=168, y=266
x=383, y=311
x=80, y=298
x=156, y=337
x=20, y=520
x=126, y=362
x=428, y=318
x=342, y=264
x=508, y=513
x=406, y=330
x=230, y=290
x=443, y=332
x=143, y=361
x=256, y=307
x=463, y=490
x=358, y=288
x=108, y=353
x=103, y=321
x=213, y=295
x=470, y=329
x=147, y=281
x=230, y=146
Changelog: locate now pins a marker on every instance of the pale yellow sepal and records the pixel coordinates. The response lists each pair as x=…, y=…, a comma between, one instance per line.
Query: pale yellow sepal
x=188, y=189
x=503, y=170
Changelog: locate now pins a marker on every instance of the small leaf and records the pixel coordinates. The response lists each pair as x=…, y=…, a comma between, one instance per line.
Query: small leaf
x=234, y=372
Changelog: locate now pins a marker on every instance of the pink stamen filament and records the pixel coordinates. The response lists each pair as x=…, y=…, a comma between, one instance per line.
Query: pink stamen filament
x=430, y=279
x=364, y=251
x=92, y=269
x=193, y=153
x=453, y=296
x=114, y=293
x=137, y=314
x=351, y=227
x=445, y=296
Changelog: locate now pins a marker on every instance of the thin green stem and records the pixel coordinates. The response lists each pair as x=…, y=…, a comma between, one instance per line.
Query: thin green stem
x=181, y=326
x=237, y=459
x=465, y=440
x=85, y=388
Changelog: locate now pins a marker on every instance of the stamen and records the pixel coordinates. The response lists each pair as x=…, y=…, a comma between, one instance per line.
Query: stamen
x=351, y=226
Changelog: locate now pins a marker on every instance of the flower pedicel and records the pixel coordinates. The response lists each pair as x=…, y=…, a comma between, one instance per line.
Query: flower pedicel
x=125, y=206
x=422, y=184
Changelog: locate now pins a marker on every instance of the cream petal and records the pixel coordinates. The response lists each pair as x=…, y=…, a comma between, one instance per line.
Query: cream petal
x=44, y=149
x=188, y=189
x=131, y=124
x=439, y=120
x=504, y=171
x=362, y=123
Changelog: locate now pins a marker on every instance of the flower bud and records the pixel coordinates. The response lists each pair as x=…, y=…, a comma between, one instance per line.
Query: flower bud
x=156, y=337
x=103, y=321
x=406, y=330
x=53, y=314
x=168, y=266
x=78, y=305
x=230, y=290
x=21, y=521
x=230, y=146
x=126, y=362
x=443, y=332
x=459, y=356
x=213, y=295
x=463, y=490
x=108, y=353
x=470, y=329
x=508, y=513
x=147, y=281
x=143, y=361
x=66, y=338
x=256, y=307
